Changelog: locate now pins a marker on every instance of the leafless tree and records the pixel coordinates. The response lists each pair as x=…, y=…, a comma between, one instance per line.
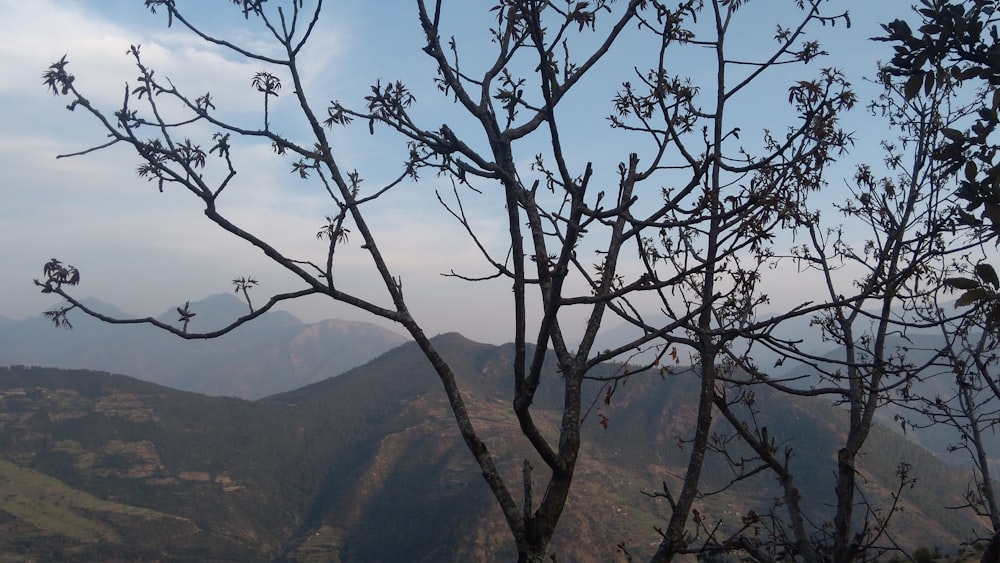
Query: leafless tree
x=965, y=397
x=684, y=221
x=902, y=242
x=897, y=232
x=882, y=259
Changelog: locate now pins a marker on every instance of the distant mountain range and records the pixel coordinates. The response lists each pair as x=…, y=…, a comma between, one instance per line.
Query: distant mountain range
x=277, y=352
x=368, y=466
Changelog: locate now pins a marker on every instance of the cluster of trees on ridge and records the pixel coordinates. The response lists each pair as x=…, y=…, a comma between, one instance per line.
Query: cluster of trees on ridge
x=686, y=220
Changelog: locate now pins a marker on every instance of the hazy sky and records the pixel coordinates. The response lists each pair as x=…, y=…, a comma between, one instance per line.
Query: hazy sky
x=145, y=251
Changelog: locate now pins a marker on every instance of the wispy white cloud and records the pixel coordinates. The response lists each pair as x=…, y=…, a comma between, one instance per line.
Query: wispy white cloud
x=135, y=246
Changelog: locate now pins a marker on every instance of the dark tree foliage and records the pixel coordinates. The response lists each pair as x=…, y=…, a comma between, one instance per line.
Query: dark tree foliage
x=957, y=42
x=956, y=48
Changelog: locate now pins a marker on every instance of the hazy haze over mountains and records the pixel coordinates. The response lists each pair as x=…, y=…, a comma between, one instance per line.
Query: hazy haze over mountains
x=278, y=353
x=275, y=353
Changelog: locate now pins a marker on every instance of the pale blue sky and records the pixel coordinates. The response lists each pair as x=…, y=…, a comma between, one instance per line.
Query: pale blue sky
x=145, y=251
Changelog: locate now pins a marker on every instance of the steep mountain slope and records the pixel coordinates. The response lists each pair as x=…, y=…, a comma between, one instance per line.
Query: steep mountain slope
x=936, y=380
x=275, y=353
x=368, y=466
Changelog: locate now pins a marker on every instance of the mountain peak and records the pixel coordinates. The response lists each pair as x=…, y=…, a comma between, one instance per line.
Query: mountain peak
x=451, y=338
x=221, y=309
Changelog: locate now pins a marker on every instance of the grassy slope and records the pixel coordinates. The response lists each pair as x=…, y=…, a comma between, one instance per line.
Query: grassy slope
x=73, y=522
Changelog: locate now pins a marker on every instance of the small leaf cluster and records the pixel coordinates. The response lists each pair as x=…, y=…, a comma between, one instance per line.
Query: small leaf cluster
x=57, y=274
x=59, y=317
x=57, y=79
x=266, y=83
x=185, y=315
x=243, y=284
x=390, y=101
x=334, y=230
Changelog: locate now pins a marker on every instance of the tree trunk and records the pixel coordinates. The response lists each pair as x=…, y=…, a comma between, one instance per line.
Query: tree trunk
x=992, y=553
x=531, y=555
x=843, y=549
